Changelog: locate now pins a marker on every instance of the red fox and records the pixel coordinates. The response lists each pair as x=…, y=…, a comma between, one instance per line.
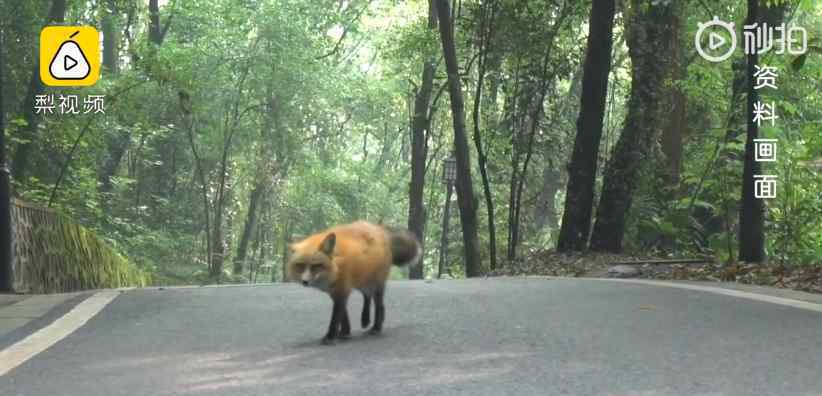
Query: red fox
x=352, y=256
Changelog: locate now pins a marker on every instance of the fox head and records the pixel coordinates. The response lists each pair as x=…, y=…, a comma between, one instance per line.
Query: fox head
x=312, y=265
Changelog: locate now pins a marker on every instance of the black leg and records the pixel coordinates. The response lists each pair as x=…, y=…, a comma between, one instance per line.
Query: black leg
x=379, y=315
x=345, y=325
x=365, y=319
x=337, y=313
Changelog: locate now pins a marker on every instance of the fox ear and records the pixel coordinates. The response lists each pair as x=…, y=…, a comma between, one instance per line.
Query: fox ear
x=327, y=246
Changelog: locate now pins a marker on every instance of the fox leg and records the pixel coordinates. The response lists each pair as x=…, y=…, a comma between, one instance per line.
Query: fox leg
x=379, y=311
x=345, y=325
x=338, y=312
x=365, y=319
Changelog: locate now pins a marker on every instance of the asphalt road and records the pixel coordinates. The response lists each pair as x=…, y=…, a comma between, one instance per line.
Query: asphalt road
x=467, y=337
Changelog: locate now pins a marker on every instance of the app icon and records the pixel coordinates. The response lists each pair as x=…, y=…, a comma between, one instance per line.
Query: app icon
x=721, y=40
x=69, y=56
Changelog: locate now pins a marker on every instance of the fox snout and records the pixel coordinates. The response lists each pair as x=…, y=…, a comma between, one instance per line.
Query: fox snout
x=306, y=278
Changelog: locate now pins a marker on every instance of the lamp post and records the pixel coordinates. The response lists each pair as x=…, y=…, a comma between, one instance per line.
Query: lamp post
x=449, y=176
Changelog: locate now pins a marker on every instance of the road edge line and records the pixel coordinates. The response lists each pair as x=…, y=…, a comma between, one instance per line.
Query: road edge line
x=37, y=342
x=788, y=302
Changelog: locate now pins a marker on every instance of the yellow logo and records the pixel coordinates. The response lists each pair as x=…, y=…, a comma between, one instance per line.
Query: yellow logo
x=69, y=56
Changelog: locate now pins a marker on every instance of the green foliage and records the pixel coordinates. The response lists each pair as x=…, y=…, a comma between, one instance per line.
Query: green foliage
x=311, y=101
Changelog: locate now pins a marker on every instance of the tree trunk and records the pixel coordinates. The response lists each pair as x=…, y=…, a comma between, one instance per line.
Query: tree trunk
x=446, y=216
x=465, y=188
x=485, y=33
x=286, y=241
x=155, y=29
x=674, y=132
x=752, y=214
x=116, y=147
x=649, y=35
x=57, y=14
x=419, y=150
x=248, y=227
x=579, y=197
x=6, y=256
x=262, y=179
x=110, y=38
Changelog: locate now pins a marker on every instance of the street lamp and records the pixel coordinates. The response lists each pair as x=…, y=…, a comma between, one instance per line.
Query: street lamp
x=449, y=170
x=449, y=177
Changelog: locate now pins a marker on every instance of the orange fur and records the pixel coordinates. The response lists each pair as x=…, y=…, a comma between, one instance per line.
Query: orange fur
x=347, y=257
x=361, y=258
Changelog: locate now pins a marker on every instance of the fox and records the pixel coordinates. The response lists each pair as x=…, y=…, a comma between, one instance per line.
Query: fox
x=352, y=256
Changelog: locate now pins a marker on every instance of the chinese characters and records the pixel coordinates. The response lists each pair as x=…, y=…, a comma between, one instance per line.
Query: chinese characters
x=760, y=38
x=764, y=149
x=69, y=104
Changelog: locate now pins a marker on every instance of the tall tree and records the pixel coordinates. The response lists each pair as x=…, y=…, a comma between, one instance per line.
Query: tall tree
x=110, y=37
x=57, y=14
x=488, y=12
x=465, y=188
x=649, y=34
x=579, y=197
x=752, y=213
x=674, y=132
x=419, y=148
x=156, y=30
x=117, y=141
x=263, y=179
x=6, y=270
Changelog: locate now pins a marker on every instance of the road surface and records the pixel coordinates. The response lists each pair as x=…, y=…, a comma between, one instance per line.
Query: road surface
x=507, y=336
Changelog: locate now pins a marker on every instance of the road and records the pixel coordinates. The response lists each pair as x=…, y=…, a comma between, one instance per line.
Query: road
x=507, y=336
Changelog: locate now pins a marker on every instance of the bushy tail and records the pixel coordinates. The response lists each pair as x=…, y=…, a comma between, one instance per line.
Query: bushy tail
x=405, y=248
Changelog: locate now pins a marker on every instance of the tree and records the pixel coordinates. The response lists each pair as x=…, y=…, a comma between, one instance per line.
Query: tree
x=420, y=124
x=752, y=213
x=6, y=256
x=110, y=37
x=649, y=35
x=485, y=32
x=57, y=13
x=116, y=141
x=465, y=189
x=156, y=30
x=579, y=196
x=674, y=132
x=264, y=176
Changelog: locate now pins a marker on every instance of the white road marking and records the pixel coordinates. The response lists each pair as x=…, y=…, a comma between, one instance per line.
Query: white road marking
x=44, y=338
x=719, y=290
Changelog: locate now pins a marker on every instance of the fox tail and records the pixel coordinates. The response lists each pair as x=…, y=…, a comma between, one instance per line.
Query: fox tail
x=405, y=247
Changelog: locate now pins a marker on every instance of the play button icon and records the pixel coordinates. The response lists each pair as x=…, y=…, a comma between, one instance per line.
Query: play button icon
x=715, y=41
x=69, y=62
x=721, y=41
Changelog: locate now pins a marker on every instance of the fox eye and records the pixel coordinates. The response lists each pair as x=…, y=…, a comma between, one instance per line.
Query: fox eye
x=300, y=267
x=316, y=267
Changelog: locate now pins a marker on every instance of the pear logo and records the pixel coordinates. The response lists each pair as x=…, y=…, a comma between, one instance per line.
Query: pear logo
x=69, y=63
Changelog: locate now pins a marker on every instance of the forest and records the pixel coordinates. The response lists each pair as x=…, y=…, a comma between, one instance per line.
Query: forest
x=512, y=136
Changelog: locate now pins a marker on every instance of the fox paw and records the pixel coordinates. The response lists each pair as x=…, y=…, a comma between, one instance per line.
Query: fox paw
x=374, y=331
x=328, y=341
x=365, y=322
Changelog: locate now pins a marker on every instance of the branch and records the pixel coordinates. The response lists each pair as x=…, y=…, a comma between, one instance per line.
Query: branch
x=64, y=168
x=345, y=33
x=168, y=22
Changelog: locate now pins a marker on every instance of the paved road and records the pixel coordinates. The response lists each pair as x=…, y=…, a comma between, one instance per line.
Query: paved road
x=470, y=337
